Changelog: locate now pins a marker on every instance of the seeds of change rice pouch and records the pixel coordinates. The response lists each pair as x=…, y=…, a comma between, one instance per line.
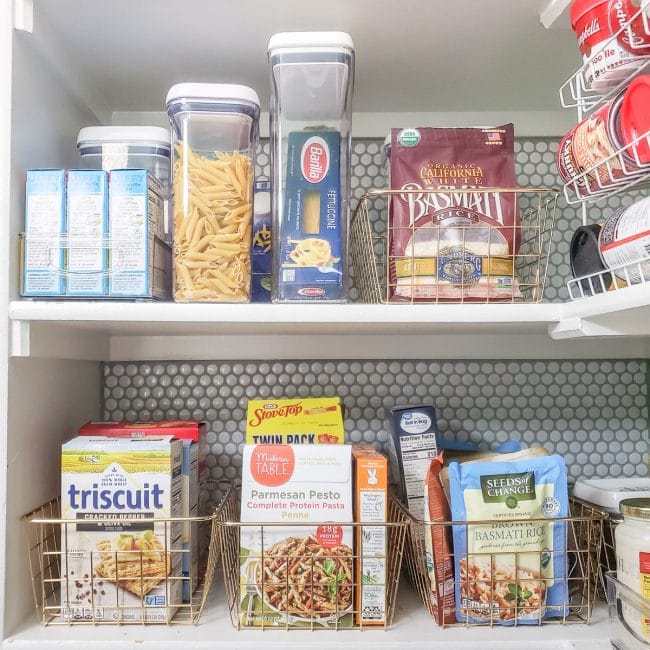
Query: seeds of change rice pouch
x=515, y=569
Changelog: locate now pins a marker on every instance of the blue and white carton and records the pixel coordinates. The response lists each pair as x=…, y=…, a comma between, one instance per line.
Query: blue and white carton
x=43, y=254
x=140, y=261
x=87, y=226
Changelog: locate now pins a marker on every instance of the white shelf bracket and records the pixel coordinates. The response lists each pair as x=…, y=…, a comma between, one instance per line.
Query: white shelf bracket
x=569, y=328
x=20, y=338
x=24, y=15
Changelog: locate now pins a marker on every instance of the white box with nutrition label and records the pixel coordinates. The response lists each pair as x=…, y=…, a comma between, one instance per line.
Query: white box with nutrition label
x=87, y=226
x=371, y=506
x=413, y=443
x=120, y=560
x=140, y=263
x=43, y=252
x=298, y=575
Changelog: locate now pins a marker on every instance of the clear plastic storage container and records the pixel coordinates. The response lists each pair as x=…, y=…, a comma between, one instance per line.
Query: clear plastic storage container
x=127, y=147
x=214, y=131
x=311, y=111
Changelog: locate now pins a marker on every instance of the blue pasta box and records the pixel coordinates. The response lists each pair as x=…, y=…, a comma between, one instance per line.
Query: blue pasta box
x=311, y=237
x=87, y=225
x=261, y=255
x=43, y=253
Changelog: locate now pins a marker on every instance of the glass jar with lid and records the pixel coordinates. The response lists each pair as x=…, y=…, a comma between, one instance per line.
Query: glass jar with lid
x=633, y=558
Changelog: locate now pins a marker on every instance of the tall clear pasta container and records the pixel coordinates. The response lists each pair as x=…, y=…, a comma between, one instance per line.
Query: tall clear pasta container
x=311, y=113
x=214, y=139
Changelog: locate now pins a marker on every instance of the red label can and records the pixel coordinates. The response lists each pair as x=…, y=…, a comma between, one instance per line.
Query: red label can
x=607, y=61
x=635, y=38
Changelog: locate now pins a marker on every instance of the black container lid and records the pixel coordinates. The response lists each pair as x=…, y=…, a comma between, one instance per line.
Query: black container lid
x=585, y=259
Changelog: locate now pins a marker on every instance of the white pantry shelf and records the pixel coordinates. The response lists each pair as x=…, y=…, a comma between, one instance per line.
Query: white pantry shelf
x=413, y=629
x=609, y=326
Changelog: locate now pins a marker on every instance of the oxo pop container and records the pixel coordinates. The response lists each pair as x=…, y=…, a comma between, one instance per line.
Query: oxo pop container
x=126, y=147
x=214, y=139
x=311, y=111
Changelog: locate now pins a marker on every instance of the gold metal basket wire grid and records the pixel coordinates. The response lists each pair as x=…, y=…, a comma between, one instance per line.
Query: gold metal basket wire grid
x=287, y=590
x=469, y=262
x=604, y=560
x=63, y=596
x=489, y=597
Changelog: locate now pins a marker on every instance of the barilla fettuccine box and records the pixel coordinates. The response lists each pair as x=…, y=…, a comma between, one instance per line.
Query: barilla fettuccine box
x=87, y=225
x=299, y=575
x=370, y=505
x=195, y=470
x=317, y=420
x=120, y=561
x=140, y=261
x=311, y=230
x=43, y=254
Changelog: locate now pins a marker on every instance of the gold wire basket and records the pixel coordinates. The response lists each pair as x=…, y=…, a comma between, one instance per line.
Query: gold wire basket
x=90, y=597
x=496, y=598
x=253, y=602
x=604, y=560
x=459, y=263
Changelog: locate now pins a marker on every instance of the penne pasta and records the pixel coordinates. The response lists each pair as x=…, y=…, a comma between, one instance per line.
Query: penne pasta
x=212, y=225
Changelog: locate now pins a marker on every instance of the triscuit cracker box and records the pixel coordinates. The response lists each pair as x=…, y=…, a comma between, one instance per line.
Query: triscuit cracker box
x=317, y=420
x=129, y=570
x=195, y=470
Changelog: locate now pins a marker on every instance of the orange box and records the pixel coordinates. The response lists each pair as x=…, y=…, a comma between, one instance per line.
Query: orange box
x=370, y=469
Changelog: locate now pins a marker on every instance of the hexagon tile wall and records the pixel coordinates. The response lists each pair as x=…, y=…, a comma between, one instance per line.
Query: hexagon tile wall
x=592, y=412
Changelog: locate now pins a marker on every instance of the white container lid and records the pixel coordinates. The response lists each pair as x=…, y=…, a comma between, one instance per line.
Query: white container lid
x=609, y=492
x=98, y=135
x=310, y=40
x=212, y=92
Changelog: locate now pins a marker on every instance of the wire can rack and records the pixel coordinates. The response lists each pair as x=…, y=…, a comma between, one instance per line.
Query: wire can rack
x=284, y=584
x=583, y=90
x=491, y=589
x=466, y=263
x=101, y=586
x=611, y=279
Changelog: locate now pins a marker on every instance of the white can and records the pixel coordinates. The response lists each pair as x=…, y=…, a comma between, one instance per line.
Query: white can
x=625, y=239
x=633, y=558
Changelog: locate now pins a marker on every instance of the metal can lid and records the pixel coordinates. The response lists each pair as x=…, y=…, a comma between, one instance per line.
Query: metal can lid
x=635, y=121
x=637, y=508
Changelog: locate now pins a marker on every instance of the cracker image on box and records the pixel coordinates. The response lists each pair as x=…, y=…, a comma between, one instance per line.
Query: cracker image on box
x=120, y=563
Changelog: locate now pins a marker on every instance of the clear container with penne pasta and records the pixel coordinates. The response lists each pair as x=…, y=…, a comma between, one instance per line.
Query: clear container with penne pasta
x=214, y=139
